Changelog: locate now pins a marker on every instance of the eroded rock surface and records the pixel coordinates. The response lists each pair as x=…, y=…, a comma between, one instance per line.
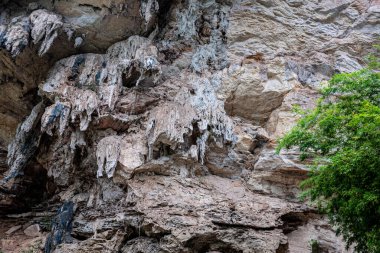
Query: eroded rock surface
x=151, y=124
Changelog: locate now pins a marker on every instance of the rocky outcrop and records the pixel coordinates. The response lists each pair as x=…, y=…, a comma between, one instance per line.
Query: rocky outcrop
x=152, y=124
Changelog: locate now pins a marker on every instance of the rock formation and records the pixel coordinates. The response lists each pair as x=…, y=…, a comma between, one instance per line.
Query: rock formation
x=150, y=125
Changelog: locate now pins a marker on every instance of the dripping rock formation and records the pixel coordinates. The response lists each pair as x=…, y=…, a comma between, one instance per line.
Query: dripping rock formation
x=150, y=125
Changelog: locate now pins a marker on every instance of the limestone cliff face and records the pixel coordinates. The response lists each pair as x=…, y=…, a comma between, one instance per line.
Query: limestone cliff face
x=150, y=125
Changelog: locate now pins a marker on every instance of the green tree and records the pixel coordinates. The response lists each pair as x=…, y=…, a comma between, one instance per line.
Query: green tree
x=342, y=138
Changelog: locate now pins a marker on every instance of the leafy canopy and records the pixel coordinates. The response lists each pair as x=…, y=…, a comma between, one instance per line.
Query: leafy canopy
x=342, y=138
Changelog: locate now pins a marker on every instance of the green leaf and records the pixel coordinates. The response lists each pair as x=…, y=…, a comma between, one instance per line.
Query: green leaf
x=342, y=138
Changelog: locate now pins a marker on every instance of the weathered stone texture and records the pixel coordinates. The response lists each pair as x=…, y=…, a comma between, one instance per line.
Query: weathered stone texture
x=155, y=121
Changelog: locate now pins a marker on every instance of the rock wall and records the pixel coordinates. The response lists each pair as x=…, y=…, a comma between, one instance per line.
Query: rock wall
x=150, y=125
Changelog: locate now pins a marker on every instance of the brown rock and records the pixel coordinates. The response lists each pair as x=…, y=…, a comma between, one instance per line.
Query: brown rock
x=180, y=104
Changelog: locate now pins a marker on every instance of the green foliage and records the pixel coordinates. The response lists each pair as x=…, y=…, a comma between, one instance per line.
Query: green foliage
x=46, y=223
x=342, y=138
x=314, y=246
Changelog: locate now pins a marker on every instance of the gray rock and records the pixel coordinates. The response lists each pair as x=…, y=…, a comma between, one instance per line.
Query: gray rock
x=33, y=230
x=13, y=229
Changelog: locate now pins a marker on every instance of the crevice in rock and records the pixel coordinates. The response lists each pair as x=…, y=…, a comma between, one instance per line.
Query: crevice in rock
x=94, y=8
x=25, y=190
x=164, y=12
x=226, y=225
x=258, y=145
x=161, y=149
x=291, y=221
x=130, y=79
x=209, y=242
x=283, y=248
x=79, y=237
